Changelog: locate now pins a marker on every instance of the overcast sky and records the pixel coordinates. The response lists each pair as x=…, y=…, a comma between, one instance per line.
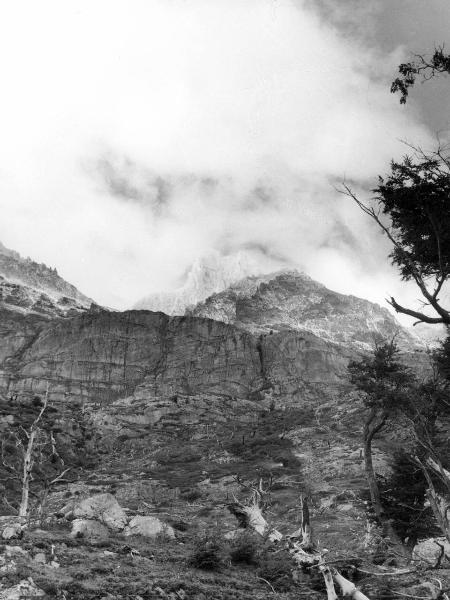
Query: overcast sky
x=137, y=136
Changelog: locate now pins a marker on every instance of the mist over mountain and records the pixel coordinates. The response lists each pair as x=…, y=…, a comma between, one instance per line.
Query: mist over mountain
x=208, y=275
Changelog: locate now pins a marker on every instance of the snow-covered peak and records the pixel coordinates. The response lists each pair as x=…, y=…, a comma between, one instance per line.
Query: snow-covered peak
x=208, y=275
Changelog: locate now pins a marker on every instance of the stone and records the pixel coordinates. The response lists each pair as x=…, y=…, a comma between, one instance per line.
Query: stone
x=24, y=589
x=7, y=566
x=12, y=532
x=89, y=529
x=148, y=527
x=40, y=558
x=431, y=552
x=103, y=508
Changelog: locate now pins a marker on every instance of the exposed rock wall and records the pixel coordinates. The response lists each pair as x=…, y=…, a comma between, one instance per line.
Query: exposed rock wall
x=105, y=355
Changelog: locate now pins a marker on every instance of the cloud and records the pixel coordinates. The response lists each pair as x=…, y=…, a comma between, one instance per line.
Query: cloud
x=139, y=135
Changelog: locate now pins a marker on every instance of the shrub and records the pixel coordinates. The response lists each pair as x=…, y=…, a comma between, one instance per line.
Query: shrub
x=180, y=525
x=208, y=554
x=191, y=494
x=277, y=569
x=244, y=549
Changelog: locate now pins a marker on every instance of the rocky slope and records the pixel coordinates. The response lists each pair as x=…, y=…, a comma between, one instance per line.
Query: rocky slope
x=30, y=287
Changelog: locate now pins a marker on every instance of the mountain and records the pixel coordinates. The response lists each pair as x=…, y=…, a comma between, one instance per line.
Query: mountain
x=29, y=287
x=292, y=301
x=208, y=275
x=166, y=412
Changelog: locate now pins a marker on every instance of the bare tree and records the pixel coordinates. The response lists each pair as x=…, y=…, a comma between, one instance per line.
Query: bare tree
x=29, y=454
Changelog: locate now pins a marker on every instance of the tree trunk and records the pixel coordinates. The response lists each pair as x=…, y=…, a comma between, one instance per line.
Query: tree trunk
x=374, y=423
x=347, y=587
x=251, y=517
x=371, y=427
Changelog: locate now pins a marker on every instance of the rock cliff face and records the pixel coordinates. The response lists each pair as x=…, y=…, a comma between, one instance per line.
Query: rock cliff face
x=271, y=335
x=101, y=356
x=30, y=287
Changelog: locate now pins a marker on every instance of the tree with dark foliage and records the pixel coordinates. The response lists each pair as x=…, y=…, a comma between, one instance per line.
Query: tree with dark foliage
x=412, y=207
x=390, y=392
x=384, y=382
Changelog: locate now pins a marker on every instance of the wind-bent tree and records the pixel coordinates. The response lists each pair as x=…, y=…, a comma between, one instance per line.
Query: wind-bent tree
x=412, y=207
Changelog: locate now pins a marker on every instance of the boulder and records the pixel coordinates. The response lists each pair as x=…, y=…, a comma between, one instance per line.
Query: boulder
x=431, y=552
x=89, y=529
x=149, y=527
x=103, y=508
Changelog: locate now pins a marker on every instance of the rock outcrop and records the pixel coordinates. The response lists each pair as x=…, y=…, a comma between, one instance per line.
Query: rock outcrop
x=103, y=508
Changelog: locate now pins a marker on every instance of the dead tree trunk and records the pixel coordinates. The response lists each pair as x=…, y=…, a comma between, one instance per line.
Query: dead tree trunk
x=439, y=505
x=28, y=460
x=304, y=552
x=26, y=475
x=250, y=515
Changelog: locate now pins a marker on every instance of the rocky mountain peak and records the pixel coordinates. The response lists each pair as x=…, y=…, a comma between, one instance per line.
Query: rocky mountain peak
x=8, y=252
x=290, y=300
x=30, y=287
